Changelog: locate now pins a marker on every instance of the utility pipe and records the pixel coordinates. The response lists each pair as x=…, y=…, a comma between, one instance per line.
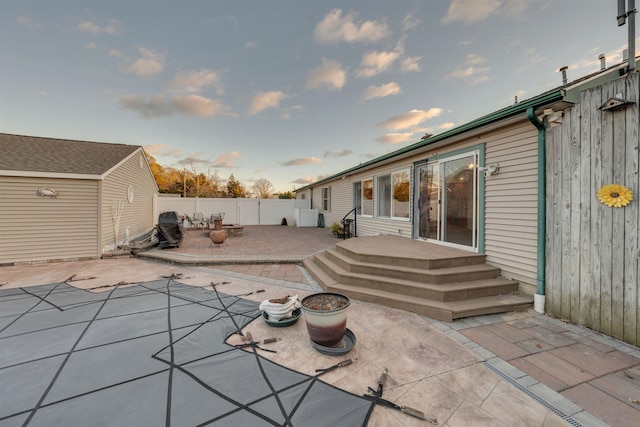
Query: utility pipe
x=539, y=297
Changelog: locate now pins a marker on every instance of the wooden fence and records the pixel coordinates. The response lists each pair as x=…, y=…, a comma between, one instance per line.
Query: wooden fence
x=593, y=255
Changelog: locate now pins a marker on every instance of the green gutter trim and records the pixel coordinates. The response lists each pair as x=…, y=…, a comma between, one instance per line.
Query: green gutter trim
x=542, y=198
x=513, y=110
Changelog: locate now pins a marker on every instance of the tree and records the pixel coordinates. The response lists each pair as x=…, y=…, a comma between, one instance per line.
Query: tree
x=287, y=195
x=263, y=188
x=235, y=189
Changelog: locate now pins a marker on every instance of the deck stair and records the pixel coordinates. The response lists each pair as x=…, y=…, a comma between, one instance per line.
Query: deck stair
x=437, y=281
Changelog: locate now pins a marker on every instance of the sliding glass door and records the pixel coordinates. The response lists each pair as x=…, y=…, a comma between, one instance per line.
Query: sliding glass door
x=447, y=200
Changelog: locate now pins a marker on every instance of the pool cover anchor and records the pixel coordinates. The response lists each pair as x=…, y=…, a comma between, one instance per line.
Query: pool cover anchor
x=376, y=397
x=344, y=363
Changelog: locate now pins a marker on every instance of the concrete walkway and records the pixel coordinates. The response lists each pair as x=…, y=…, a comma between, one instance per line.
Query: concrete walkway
x=513, y=369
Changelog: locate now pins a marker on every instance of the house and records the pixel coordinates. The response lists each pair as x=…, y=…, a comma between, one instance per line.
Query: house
x=482, y=186
x=66, y=200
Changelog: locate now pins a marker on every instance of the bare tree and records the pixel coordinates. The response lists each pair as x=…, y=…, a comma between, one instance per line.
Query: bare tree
x=263, y=188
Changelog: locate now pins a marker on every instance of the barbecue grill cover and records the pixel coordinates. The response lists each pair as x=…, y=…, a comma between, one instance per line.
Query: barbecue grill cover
x=170, y=229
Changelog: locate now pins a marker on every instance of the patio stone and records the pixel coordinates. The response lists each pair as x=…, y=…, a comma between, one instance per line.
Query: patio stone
x=602, y=405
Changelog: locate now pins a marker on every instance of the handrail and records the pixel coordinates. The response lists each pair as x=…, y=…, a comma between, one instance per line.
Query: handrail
x=355, y=225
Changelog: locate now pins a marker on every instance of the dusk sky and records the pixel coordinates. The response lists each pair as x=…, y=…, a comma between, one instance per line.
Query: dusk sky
x=286, y=90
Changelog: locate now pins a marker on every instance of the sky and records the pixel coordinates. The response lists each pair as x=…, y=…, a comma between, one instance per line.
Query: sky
x=290, y=91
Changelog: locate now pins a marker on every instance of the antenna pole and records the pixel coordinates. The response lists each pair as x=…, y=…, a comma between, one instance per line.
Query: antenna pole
x=632, y=35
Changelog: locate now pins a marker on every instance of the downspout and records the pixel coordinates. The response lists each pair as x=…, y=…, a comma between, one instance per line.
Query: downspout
x=539, y=297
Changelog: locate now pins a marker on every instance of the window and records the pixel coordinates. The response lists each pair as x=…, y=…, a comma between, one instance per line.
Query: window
x=303, y=196
x=357, y=196
x=326, y=198
x=367, y=197
x=393, y=195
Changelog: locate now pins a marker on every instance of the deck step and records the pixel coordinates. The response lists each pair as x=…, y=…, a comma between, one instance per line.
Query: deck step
x=362, y=269
x=436, y=276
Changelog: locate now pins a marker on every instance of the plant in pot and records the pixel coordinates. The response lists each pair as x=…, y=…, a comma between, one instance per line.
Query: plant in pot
x=326, y=316
x=337, y=229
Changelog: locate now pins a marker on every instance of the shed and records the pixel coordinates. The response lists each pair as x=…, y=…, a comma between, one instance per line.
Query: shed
x=67, y=200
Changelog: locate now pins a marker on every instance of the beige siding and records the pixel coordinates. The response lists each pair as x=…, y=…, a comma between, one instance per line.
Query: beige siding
x=511, y=200
x=37, y=228
x=138, y=215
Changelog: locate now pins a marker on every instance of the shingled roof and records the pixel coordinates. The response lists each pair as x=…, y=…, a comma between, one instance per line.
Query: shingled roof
x=51, y=155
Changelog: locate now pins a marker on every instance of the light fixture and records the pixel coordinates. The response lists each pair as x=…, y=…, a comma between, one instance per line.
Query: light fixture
x=47, y=192
x=492, y=169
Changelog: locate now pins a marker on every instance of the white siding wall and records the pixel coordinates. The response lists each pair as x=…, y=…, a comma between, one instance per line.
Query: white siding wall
x=41, y=228
x=138, y=216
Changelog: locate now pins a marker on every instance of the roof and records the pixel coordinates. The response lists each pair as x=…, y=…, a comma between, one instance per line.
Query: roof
x=557, y=96
x=60, y=156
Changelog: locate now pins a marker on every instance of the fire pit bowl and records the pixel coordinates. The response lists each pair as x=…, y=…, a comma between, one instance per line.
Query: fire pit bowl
x=326, y=317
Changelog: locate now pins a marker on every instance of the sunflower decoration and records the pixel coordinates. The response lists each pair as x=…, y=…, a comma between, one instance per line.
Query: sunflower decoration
x=615, y=195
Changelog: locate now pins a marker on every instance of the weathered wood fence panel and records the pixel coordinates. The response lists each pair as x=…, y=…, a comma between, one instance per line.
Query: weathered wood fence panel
x=593, y=251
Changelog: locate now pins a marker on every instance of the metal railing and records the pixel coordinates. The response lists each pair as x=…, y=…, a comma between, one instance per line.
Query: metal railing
x=346, y=224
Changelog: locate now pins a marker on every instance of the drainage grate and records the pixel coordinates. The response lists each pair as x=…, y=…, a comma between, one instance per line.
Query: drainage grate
x=534, y=396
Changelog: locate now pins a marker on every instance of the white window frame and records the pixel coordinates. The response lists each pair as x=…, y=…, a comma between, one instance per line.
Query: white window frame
x=389, y=204
x=362, y=211
x=326, y=199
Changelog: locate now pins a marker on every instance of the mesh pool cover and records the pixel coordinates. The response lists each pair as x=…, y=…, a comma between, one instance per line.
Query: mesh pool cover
x=149, y=355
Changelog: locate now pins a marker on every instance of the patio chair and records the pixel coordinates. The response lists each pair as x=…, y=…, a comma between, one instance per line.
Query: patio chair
x=199, y=220
x=191, y=221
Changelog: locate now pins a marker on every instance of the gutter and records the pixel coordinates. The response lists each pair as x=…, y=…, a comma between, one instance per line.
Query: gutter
x=539, y=297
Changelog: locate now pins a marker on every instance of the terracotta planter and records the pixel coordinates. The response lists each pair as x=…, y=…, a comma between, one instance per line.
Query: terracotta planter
x=326, y=317
x=218, y=236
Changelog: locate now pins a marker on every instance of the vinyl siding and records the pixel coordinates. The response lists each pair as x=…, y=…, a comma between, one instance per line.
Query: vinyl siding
x=511, y=198
x=37, y=228
x=511, y=201
x=138, y=216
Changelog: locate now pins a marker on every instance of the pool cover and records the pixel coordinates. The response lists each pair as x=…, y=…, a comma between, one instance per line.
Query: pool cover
x=149, y=355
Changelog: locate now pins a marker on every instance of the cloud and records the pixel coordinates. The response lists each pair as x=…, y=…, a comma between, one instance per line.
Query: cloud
x=91, y=46
x=196, y=105
x=288, y=112
x=471, y=71
x=305, y=180
x=226, y=160
x=301, y=161
x=115, y=53
x=446, y=125
x=329, y=74
x=159, y=105
x=149, y=63
x=155, y=149
x=251, y=44
x=470, y=11
x=342, y=153
x=374, y=63
x=409, y=119
x=529, y=58
x=264, y=100
x=112, y=28
x=410, y=63
x=197, y=81
x=381, y=91
x=335, y=28
x=28, y=22
x=193, y=159
x=409, y=22
x=395, y=138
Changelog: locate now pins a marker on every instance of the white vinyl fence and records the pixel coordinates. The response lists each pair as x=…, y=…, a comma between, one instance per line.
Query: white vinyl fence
x=236, y=211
